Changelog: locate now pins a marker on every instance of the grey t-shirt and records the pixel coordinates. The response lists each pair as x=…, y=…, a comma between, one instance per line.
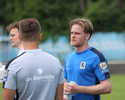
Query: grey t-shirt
x=35, y=75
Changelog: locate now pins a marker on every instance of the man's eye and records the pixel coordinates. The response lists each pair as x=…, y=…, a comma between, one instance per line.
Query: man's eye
x=76, y=33
x=12, y=35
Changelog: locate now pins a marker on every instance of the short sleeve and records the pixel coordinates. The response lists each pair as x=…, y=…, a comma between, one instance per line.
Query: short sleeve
x=102, y=71
x=9, y=79
x=61, y=77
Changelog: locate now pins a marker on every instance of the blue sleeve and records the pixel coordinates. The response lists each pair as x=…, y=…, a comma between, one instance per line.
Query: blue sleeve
x=101, y=70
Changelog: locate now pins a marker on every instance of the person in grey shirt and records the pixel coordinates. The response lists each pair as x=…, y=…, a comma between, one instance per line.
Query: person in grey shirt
x=35, y=74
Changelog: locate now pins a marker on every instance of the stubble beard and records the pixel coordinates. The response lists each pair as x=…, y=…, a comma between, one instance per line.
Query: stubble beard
x=75, y=45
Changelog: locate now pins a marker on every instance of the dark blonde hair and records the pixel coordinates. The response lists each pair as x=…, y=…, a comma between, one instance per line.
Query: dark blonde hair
x=85, y=23
x=13, y=25
x=29, y=29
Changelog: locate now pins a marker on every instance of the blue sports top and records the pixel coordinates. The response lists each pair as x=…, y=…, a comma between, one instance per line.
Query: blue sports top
x=86, y=68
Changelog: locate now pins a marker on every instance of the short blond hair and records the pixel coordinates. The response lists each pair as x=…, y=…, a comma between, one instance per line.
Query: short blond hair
x=85, y=23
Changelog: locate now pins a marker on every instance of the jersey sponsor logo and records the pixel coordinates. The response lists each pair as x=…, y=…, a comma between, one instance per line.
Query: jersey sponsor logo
x=40, y=77
x=82, y=65
x=67, y=64
x=5, y=75
x=103, y=67
x=39, y=70
x=67, y=68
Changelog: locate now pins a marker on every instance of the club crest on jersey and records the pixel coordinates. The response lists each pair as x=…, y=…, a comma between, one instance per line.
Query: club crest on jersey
x=103, y=67
x=82, y=65
x=5, y=75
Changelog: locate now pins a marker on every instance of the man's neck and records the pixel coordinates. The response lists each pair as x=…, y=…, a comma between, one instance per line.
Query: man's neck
x=30, y=45
x=82, y=48
x=20, y=46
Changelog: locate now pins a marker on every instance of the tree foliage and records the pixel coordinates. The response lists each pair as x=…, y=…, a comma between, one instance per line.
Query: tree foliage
x=106, y=16
x=55, y=15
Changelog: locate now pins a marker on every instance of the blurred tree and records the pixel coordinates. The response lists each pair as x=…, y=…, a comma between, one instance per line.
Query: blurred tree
x=55, y=15
x=82, y=4
x=106, y=15
x=119, y=6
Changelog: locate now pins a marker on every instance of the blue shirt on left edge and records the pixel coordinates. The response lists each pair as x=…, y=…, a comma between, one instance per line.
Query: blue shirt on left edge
x=86, y=68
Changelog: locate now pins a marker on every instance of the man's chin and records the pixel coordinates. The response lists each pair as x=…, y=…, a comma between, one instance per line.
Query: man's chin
x=12, y=46
x=73, y=45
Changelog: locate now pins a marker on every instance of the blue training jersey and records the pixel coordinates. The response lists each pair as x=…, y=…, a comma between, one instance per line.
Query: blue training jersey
x=86, y=68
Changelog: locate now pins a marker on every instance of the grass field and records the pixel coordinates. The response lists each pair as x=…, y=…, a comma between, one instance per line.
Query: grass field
x=0, y=91
x=118, y=89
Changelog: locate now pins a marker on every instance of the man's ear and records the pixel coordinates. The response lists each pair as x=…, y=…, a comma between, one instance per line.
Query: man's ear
x=39, y=37
x=20, y=37
x=87, y=36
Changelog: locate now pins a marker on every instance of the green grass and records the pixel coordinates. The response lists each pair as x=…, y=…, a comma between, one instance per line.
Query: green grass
x=1, y=91
x=118, y=89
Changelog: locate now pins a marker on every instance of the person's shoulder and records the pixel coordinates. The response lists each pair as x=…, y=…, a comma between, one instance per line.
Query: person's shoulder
x=95, y=51
x=97, y=54
x=13, y=61
x=49, y=56
x=14, y=64
x=71, y=53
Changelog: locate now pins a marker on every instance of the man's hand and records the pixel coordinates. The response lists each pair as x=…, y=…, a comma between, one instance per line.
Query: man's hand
x=71, y=88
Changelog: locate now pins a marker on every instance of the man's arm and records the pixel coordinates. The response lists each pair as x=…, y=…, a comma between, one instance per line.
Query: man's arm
x=103, y=88
x=59, y=92
x=8, y=94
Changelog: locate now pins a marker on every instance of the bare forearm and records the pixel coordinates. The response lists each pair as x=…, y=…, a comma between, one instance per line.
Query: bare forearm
x=8, y=94
x=95, y=89
x=103, y=88
x=59, y=92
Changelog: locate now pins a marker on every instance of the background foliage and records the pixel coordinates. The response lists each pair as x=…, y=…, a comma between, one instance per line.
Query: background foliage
x=55, y=15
